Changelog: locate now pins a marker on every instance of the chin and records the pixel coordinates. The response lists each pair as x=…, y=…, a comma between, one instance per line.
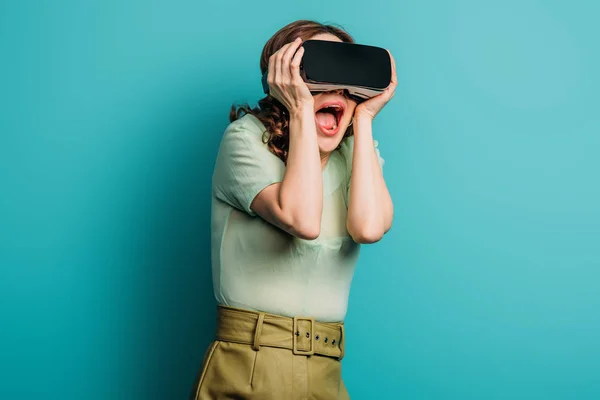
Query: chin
x=328, y=144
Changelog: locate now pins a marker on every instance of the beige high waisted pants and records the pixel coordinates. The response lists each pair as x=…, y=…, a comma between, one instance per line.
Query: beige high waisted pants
x=264, y=356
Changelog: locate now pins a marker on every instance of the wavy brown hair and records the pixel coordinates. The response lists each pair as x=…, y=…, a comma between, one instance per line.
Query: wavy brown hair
x=269, y=110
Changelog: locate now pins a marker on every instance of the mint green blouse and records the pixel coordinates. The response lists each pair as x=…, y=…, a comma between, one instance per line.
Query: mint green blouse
x=258, y=266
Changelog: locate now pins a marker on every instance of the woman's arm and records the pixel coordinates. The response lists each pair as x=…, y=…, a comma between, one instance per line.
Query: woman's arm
x=294, y=205
x=370, y=207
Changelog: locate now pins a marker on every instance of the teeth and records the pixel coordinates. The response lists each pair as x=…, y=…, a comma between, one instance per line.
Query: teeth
x=335, y=106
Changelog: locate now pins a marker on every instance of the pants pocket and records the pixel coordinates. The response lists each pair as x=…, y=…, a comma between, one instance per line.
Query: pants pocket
x=204, y=366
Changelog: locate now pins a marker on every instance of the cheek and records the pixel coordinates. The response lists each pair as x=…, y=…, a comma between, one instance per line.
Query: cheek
x=350, y=111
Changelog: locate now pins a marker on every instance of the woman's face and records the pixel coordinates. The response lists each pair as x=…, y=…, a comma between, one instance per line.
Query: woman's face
x=333, y=111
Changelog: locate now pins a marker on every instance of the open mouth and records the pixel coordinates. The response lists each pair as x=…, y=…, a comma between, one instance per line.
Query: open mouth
x=328, y=117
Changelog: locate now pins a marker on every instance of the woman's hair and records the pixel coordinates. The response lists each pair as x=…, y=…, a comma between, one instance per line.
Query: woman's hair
x=269, y=110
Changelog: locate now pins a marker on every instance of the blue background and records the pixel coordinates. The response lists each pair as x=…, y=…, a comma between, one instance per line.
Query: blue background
x=487, y=287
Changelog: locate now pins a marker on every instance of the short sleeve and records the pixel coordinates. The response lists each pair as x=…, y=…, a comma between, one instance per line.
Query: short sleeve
x=347, y=150
x=244, y=165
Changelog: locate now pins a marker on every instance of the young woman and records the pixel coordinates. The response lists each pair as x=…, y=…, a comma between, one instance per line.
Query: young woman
x=297, y=187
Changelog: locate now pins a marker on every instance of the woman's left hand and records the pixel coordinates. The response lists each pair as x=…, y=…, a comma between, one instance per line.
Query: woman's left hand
x=371, y=107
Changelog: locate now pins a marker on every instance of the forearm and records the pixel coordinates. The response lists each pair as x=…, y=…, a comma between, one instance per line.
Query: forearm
x=301, y=191
x=370, y=209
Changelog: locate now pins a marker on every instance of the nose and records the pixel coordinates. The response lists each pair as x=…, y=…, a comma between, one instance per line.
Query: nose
x=337, y=91
x=341, y=92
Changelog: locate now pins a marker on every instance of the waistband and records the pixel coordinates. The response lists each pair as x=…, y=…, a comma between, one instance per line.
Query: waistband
x=302, y=335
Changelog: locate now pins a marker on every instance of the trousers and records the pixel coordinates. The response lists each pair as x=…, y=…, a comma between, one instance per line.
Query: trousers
x=257, y=355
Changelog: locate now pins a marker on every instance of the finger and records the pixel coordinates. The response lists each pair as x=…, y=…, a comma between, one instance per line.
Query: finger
x=271, y=69
x=391, y=94
x=387, y=94
x=291, y=49
x=393, y=79
x=279, y=73
x=286, y=60
x=274, y=74
x=394, y=76
x=295, y=65
x=392, y=60
x=392, y=89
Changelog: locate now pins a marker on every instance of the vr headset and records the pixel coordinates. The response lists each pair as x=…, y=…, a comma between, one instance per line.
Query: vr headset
x=363, y=71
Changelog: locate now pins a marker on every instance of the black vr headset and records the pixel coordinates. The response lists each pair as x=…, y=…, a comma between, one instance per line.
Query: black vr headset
x=363, y=71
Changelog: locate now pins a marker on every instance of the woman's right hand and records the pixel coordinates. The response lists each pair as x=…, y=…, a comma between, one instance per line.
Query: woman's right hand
x=285, y=83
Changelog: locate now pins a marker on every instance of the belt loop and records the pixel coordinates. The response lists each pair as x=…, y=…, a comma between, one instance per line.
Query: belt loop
x=258, y=331
x=342, y=344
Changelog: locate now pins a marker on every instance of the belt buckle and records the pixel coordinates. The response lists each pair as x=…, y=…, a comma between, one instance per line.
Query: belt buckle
x=295, y=349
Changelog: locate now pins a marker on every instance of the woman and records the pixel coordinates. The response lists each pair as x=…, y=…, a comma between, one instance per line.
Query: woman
x=297, y=187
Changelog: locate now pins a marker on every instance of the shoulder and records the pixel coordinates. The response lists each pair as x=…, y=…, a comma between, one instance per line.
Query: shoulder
x=247, y=127
x=243, y=144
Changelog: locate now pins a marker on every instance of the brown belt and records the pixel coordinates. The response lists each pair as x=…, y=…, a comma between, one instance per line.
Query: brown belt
x=302, y=335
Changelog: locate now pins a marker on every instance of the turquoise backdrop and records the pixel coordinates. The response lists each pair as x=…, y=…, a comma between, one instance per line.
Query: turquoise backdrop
x=487, y=287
